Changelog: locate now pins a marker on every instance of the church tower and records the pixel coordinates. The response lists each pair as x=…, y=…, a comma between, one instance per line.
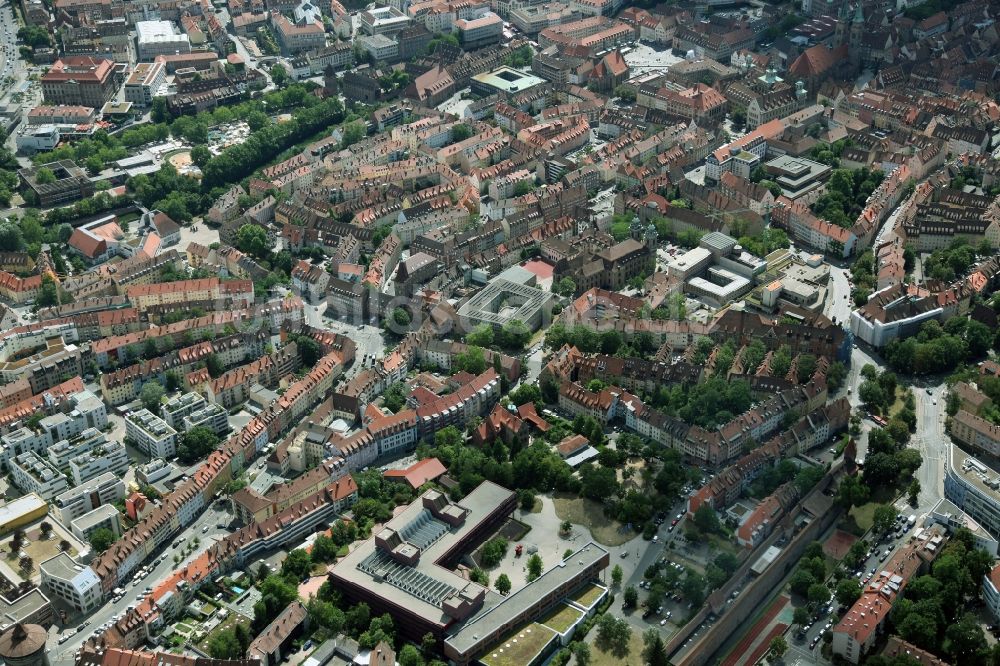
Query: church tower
x=857, y=32
x=843, y=16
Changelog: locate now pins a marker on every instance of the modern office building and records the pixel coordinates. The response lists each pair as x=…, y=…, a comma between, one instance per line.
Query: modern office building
x=974, y=487
x=74, y=583
x=144, y=82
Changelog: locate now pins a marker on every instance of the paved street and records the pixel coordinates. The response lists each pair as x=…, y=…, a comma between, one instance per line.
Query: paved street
x=204, y=528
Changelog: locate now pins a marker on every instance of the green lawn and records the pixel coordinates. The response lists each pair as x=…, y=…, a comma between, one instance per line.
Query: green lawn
x=223, y=626
x=632, y=657
x=863, y=516
x=561, y=618
x=519, y=647
x=588, y=596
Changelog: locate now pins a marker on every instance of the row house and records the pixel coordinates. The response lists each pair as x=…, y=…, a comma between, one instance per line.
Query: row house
x=232, y=387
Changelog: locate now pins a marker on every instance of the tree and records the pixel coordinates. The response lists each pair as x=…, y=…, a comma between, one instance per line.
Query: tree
x=101, y=539
x=706, y=519
x=252, y=239
x=778, y=646
x=534, y=566
x=46, y=528
x=242, y=635
x=913, y=490
x=323, y=549
x=884, y=518
x=159, y=112
x=65, y=546
x=848, y=591
x=279, y=75
x=502, y=583
x=818, y=593
x=630, y=597
x=309, y=350
x=150, y=396
x=410, y=656
x=613, y=634
x=801, y=616
x=352, y=133
x=566, y=287
x=582, y=653
x=494, y=551
x=26, y=563
x=224, y=645
x=616, y=575
x=654, y=652
x=200, y=155
x=214, y=365
x=44, y=176
x=196, y=444
x=460, y=132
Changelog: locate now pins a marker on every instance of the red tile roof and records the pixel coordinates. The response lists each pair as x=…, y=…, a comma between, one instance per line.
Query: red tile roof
x=419, y=473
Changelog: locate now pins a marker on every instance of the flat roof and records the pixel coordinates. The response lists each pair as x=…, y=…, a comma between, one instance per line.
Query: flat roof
x=20, y=507
x=465, y=638
x=984, y=478
x=427, y=583
x=508, y=79
x=96, y=516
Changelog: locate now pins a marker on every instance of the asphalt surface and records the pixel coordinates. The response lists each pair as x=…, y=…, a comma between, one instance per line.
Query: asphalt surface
x=204, y=528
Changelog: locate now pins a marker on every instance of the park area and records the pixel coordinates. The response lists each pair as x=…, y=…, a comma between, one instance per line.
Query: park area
x=590, y=514
x=606, y=656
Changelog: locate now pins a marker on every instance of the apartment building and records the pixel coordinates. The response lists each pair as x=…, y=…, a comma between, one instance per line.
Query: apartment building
x=73, y=583
x=144, y=82
x=174, y=410
x=109, y=457
x=75, y=502
x=63, y=451
x=976, y=432
x=212, y=416
x=33, y=475
x=104, y=517
x=237, y=292
x=151, y=434
x=80, y=81
x=473, y=399
x=858, y=629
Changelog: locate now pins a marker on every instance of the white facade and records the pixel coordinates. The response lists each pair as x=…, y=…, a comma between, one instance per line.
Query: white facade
x=212, y=416
x=33, y=475
x=103, y=517
x=160, y=38
x=151, y=434
x=71, y=504
x=110, y=457
x=38, y=138
x=75, y=584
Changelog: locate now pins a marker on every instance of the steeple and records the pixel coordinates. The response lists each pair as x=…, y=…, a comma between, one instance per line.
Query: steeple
x=859, y=14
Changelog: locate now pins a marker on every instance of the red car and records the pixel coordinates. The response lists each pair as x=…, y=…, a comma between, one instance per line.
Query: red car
x=673, y=522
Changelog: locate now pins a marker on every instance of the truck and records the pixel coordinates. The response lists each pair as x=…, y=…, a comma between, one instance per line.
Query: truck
x=911, y=521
